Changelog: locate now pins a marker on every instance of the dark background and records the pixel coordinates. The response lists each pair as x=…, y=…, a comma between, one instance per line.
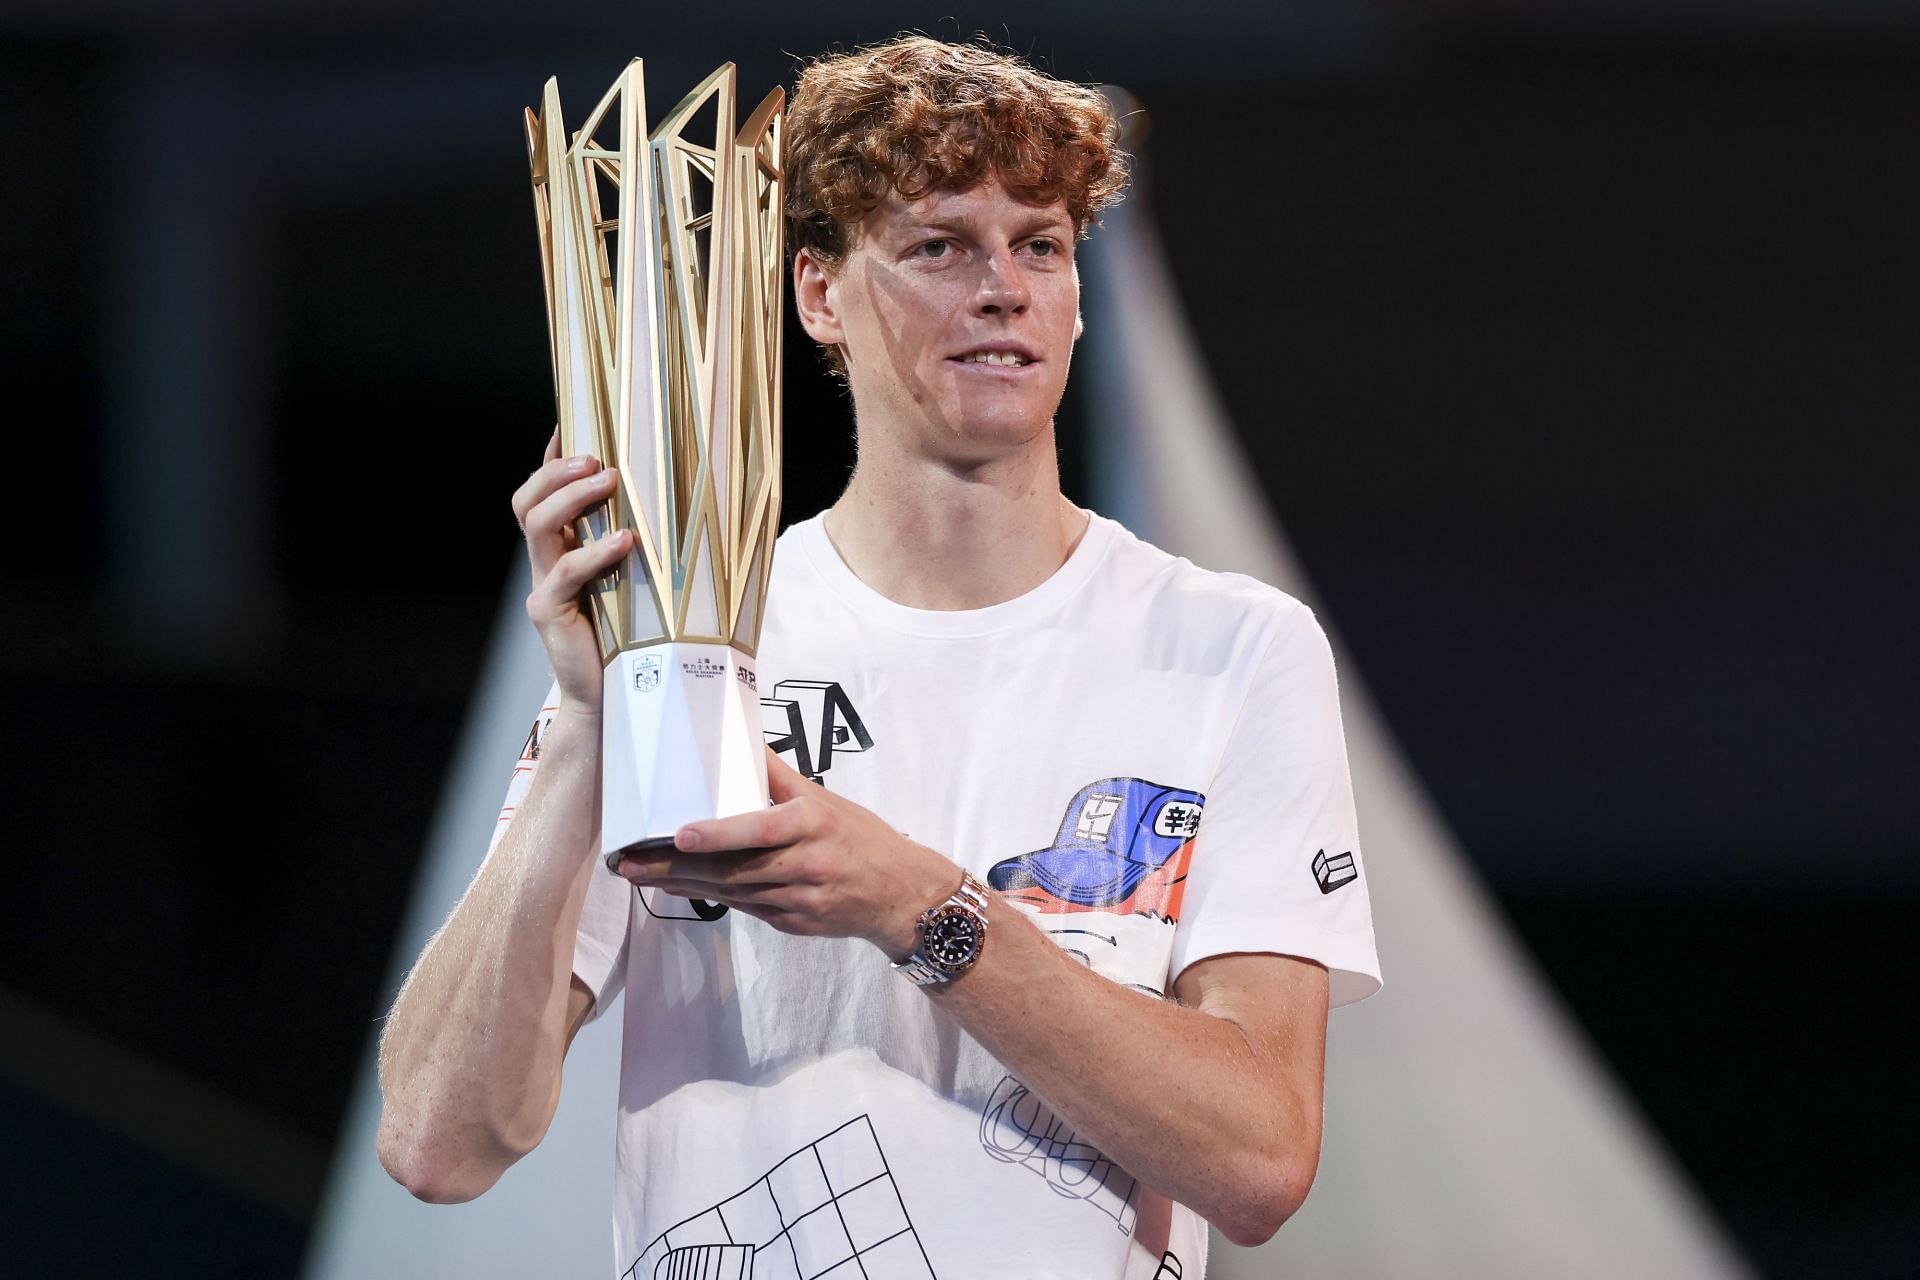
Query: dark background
x=1575, y=347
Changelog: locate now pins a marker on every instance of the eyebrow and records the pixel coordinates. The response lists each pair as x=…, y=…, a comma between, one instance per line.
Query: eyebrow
x=1042, y=220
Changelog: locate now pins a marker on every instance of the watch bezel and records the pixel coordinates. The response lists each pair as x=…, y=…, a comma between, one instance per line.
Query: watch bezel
x=925, y=968
x=930, y=937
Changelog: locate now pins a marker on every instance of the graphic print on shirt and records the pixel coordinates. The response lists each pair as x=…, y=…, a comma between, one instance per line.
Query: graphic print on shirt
x=830, y=1207
x=1108, y=888
x=810, y=722
x=662, y=905
x=524, y=768
x=1017, y=1128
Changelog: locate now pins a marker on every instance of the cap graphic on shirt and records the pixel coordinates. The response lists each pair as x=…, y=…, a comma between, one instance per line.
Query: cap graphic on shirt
x=1116, y=833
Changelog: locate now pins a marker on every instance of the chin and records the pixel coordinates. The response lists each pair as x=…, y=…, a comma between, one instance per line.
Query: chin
x=999, y=421
x=967, y=430
x=982, y=436
x=1002, y=424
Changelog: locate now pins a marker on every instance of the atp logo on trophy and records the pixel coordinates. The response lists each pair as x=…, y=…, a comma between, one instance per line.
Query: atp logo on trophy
x=646, y=673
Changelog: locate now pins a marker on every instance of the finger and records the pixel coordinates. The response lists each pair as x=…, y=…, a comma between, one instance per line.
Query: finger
x=553, y=472
x=656, y=867
x=747, y=866
x=784, y=782
x=546, y=521
x=557, y=595
x=773, y=896
x=782, y=906
x=772, y=828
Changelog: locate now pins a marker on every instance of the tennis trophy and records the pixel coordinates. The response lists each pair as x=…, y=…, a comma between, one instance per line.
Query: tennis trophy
x=664, y=271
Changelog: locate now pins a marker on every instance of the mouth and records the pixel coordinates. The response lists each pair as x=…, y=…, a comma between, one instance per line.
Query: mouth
x=997, y=357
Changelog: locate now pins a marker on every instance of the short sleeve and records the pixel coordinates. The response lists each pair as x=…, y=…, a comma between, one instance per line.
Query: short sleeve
x=526, y=767
x=600, y=945
x=1276, y=864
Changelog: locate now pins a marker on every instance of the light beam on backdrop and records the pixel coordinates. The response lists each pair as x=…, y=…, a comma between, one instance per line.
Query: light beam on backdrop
x=551, y=1214
x=1470, y=1130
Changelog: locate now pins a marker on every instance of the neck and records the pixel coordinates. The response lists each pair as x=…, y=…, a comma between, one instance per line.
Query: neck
x=934, y=535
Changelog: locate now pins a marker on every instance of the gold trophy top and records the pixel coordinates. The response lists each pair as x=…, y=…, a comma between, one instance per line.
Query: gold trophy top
x=665, y=268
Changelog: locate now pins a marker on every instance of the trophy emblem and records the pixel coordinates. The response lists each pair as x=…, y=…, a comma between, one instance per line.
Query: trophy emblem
x=664, y=269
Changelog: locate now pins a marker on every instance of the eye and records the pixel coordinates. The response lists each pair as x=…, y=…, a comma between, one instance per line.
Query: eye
x=1043, y=248
x=933, y=248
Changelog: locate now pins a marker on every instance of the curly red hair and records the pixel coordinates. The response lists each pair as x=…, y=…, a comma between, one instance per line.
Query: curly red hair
x=916, y=115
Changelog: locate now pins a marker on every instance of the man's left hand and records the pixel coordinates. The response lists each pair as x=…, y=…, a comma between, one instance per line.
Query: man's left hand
x=815, y=864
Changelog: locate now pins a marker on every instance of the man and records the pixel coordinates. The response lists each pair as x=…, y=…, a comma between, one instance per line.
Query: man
x=1030, y=976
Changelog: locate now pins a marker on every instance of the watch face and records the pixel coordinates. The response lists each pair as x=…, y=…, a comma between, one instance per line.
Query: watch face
x=953, y=939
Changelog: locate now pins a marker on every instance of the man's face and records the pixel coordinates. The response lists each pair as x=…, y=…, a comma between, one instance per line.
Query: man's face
x=957, y=315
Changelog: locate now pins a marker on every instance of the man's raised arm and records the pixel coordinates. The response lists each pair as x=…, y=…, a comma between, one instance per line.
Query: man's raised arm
x=471, y=1056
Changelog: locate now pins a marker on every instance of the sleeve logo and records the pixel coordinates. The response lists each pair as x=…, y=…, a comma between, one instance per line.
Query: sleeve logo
x=1331, y=873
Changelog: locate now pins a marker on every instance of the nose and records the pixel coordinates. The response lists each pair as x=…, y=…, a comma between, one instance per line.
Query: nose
x=1001, y=289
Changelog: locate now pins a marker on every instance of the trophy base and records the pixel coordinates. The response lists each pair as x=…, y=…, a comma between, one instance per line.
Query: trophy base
x=639, y=848
x=681, y=741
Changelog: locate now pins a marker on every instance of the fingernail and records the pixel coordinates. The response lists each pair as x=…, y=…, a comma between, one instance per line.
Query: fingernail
x=688, y=839
x=578, y=462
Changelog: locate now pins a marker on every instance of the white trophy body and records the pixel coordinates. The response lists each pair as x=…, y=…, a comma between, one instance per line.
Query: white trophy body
x=681, y=741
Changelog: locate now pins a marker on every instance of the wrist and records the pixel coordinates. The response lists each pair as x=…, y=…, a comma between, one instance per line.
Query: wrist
x=573, y=735
x=897, y=945
x=948, y=936
x=934, y=880
x=578, y=711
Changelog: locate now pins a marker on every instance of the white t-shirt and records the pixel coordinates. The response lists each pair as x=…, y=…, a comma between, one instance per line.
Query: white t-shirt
x=1145, y=755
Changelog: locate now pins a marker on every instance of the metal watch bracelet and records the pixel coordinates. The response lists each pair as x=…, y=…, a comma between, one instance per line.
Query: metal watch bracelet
x=948, y=937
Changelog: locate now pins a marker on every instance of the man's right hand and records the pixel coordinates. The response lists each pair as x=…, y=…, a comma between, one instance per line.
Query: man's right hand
x=547, y=505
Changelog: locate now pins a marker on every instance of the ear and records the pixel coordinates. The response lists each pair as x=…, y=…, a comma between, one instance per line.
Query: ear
x=813, y=299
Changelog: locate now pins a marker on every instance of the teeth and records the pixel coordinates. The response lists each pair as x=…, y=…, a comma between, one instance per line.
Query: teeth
x=1006, y=359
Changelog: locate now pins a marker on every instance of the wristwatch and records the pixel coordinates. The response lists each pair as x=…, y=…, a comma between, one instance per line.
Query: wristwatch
x=948, y=937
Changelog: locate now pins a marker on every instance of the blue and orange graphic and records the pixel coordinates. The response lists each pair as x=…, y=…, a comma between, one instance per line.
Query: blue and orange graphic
x=1123, y=847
